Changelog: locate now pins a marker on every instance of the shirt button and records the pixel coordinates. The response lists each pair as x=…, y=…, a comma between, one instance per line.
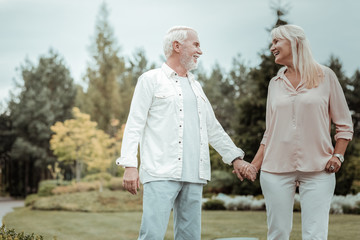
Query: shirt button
x=180, y=126
x=179, y=158
x=180, y=110
x=179, y=141
x=180, y=94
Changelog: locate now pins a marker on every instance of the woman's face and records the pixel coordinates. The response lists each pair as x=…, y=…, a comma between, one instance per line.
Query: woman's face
x=281, y=48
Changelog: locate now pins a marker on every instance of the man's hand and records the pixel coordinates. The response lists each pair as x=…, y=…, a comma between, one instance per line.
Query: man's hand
x=243, y=169
x=131, y=180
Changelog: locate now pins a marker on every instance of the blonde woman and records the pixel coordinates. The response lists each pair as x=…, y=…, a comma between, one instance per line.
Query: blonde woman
x=303, y=99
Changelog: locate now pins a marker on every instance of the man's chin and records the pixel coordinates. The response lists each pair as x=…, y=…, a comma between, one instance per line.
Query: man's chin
x=192, y=67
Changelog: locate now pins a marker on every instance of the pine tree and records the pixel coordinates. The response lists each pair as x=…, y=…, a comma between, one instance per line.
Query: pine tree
x=347, y=174
x=102, y=99
x=46, y=96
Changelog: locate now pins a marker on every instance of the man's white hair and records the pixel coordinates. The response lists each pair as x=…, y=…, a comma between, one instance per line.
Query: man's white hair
x=177, y=33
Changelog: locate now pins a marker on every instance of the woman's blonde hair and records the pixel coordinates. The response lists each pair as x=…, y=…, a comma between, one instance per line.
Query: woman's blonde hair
x=303, y=61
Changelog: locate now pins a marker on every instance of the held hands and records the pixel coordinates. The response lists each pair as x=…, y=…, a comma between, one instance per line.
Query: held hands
x=243, y=169
x=131, y=180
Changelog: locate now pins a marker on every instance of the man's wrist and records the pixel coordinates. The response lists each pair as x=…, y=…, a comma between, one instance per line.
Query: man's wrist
x=238, y=158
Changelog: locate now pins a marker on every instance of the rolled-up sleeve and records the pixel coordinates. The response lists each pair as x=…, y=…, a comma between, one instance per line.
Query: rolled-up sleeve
x=339, y=110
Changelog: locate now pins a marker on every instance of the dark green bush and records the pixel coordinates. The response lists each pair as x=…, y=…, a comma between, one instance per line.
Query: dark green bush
x=221, y=182
x=46, y=187
x=351, y=210
x=214, y=204
x=10, y=234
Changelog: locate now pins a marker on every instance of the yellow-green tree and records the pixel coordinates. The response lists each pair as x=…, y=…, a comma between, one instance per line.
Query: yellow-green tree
x=78, y=141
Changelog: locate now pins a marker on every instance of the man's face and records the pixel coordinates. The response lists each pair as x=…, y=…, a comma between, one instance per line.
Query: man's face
x=190, y=51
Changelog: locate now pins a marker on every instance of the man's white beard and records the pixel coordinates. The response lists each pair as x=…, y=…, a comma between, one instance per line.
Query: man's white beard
x=188, y=62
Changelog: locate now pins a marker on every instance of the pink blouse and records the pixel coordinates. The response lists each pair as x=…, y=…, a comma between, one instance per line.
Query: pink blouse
x=298, y=121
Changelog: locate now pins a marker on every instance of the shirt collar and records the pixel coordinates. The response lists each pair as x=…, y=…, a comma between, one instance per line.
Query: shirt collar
x=281, y=73
x=170, y=73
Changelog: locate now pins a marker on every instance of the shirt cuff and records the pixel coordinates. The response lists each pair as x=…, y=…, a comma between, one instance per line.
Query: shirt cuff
x=344, y=135
x=238, y=153
x=127, y=162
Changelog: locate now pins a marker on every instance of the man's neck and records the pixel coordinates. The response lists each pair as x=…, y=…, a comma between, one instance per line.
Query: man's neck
x=177, y=67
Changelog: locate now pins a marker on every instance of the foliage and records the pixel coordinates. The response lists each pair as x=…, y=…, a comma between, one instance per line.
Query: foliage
x=221, y=181
x=97, y=177
x=10, y=234
x=47, y=186
x=46, y=95
x=347, y=173
x=102, y=96
x=91, y=201
x=125, y=225
x=213, y=204
x=76, y=187
x=77, y=142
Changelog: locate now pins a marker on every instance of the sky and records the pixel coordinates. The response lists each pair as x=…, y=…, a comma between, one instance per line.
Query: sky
x=226, y=28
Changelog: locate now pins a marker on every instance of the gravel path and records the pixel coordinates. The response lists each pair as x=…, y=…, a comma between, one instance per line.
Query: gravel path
x=7, y=205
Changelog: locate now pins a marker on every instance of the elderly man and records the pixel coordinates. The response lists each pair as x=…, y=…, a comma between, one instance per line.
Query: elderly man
x=173, y=121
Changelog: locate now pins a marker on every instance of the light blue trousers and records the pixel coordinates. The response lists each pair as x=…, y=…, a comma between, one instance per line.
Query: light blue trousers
x=158, y=200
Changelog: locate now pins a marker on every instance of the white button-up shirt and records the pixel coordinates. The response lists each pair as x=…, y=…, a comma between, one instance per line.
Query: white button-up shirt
x=155, y=121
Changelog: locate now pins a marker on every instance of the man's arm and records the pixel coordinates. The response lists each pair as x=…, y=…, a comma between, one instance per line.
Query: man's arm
x=140, y=105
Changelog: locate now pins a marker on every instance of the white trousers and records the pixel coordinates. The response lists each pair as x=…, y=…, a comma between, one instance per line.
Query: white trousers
x=158, y=200
x=316, y=190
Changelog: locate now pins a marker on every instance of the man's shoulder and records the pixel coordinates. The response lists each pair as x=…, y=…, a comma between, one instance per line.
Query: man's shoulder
x=151, y=74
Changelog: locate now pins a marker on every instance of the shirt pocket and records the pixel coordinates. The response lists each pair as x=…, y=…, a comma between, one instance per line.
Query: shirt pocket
x=164, y=100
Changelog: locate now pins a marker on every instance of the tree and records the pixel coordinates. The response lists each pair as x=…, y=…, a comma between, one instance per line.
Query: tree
x=138, y=64
x=346, y=175
x=7, y=138
x=102, y=95
x=46, y=96
x=77, y=142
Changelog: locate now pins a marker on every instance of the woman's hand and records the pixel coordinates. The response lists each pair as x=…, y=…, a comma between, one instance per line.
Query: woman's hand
x=333, y=165
x=243, y=169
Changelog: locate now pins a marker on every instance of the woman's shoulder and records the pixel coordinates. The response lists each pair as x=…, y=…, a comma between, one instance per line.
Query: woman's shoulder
x=278, y=75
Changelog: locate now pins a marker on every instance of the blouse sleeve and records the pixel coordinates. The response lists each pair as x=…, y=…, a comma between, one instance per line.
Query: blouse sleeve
x=339, y=110
x=267, y=116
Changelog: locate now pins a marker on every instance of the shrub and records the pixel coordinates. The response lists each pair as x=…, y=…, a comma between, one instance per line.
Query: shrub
x=241, y=202
x=115, y=184
x=221, y=182
x=346, y=204
x=77, y=187
x=97, y=177
x=10, y=234
x=30, y=199
x=46, y=186
x=214, y=204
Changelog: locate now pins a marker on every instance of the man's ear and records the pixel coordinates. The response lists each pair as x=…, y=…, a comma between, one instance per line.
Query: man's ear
x=176, y=46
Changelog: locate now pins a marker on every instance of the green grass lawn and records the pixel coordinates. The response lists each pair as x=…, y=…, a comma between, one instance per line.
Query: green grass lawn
x=66, y=225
